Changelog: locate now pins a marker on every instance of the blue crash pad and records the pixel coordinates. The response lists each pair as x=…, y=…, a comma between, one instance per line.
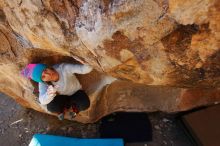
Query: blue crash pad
x=50, y=140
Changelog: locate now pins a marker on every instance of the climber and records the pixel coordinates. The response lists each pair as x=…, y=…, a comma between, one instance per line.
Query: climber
x=59, y=89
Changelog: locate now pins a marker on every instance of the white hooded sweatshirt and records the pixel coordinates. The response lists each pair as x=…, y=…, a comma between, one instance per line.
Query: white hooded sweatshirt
x=67, y=84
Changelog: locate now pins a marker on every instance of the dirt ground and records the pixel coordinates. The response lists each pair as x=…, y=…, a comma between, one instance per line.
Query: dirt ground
x=18, y=125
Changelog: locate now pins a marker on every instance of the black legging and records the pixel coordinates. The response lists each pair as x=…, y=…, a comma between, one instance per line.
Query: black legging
x=79, y=99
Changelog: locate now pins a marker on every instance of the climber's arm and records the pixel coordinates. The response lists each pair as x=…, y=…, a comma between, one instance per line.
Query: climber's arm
x=77, y=68
x=44, y=97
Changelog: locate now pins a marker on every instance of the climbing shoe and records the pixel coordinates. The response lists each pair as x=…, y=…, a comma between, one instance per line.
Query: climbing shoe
x=61, y=116
x=72, y=115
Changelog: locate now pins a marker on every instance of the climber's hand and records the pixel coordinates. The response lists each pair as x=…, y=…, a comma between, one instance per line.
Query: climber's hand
x=51, y=91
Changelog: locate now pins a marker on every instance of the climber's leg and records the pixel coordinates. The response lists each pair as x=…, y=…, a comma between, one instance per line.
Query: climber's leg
x=57, y=105
x=80, y=101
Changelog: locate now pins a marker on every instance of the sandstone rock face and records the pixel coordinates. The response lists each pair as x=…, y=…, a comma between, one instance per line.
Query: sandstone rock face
x=158, y=51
